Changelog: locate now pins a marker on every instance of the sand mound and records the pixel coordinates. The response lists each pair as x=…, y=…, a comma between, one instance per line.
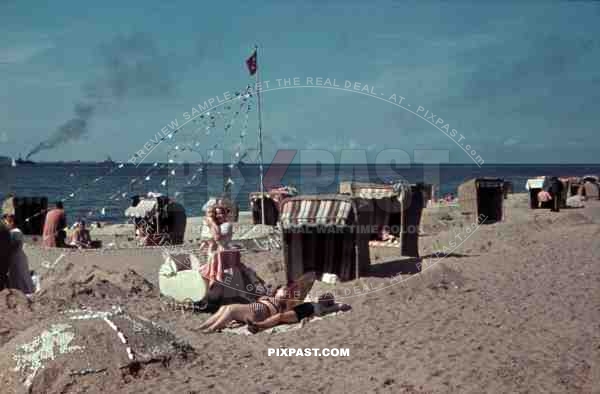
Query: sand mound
x=84, y=350
x=445, y=278
x=14, y=301
x=84, y=285
x=575, y=219
x=16, y=313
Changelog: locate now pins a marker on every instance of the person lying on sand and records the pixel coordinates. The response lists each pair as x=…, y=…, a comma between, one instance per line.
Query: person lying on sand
x=258, y=311
x=325, y=304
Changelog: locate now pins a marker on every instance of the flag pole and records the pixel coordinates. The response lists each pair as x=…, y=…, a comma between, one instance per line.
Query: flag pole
x=260, y=141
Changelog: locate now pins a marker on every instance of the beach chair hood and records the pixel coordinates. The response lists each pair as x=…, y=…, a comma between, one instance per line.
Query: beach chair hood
x=374, y=191
x=145, y=208
x=329, y=210
x=540, y=182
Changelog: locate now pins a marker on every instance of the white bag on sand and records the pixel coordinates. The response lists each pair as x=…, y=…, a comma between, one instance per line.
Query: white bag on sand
x=179, y=278
x=575, y=202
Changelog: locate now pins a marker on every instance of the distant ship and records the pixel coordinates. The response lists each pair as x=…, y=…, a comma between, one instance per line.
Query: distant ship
x=20, y=161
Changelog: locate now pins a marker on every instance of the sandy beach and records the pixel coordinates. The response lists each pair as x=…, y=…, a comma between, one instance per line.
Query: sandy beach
x=513, y=307
x=425, y=175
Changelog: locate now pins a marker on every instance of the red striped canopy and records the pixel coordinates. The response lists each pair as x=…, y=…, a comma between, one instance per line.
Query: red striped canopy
x=333, y=210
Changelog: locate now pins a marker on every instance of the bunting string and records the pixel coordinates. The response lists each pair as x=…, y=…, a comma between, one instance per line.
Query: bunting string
x=210, y=131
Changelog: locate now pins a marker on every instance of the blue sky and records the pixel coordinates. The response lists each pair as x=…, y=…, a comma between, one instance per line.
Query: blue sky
x=521, y=83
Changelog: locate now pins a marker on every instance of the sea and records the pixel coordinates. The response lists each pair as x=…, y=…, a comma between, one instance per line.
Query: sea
x=102, y=191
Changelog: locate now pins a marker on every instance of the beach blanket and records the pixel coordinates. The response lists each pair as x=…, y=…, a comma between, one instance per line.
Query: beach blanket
x=243, y=329
x=393, y=243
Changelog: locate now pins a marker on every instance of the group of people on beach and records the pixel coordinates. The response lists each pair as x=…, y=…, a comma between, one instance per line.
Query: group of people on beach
x=14, y=265
x=54, y=234
x=281, y=307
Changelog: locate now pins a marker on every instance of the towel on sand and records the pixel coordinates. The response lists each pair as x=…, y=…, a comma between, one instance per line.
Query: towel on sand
x=243, y=330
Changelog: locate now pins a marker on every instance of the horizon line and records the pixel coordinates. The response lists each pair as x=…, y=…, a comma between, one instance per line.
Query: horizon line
x=310, y=163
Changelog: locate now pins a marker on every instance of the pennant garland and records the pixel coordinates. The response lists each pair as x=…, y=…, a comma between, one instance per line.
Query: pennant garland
x=224, y=119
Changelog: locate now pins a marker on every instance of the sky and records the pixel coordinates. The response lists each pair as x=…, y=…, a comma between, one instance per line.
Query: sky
x=519, y=82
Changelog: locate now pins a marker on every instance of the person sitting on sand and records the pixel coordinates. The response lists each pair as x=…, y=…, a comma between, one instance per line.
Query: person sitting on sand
x=81, y=236
x=18, y=271
x=264, y=308
x=326, y=304
x=54, y=234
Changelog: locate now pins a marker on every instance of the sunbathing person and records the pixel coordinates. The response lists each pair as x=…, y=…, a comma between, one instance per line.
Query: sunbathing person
x=258, y=311
x=325, y=304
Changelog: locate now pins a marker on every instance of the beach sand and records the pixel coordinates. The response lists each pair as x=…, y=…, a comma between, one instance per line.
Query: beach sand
x=514, y=307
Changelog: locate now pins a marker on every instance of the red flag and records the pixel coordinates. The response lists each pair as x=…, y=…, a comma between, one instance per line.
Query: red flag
x=251, y=62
